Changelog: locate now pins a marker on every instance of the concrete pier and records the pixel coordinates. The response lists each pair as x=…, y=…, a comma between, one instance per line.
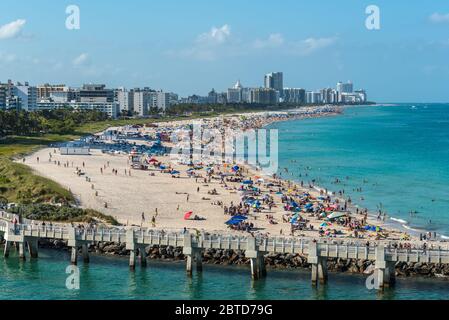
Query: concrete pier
x=386, y=276
x=85, y=253
x=74, y=256
x=317, y=251
x=33, y=246
x=7, y=248
x=318, y=265
x=22, y=251
x=132, y=260
x=199, y=260
x=258, y=269
x=142, y=257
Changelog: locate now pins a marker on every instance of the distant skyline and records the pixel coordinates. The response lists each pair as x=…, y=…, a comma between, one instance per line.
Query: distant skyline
x=190, y=47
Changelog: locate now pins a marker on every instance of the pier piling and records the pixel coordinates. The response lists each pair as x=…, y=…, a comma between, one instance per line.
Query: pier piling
x=33, y=248
x=85, y=252
x=318, y=265
x=74, y=256
x=132, y=260
x=7, y=248
x=22, y=251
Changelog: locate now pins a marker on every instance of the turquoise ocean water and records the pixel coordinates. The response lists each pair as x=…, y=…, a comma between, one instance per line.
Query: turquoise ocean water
x=110, y=278
x=398, y=155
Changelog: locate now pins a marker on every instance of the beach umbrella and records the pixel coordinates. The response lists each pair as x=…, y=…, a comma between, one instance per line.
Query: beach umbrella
x=175, y=172
x=324, y=224
x=152, y=160
x=235, y=168
x=247, y=182
x=336, y=215
x=162, y=167
x=187, y=215
x=233, y=222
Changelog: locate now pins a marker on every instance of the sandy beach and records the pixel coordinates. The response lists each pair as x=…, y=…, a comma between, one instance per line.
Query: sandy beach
x=109, y=185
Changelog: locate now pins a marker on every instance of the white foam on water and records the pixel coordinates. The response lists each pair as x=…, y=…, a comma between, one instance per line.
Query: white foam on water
x=409, y=228
x=399, y=220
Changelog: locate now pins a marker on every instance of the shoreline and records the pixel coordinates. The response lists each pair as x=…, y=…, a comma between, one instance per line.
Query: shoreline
x=393, y=222
x=241, y=121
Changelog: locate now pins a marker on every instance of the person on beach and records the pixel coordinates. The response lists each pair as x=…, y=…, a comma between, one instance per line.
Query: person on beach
x=153, y=222
x=143, y=219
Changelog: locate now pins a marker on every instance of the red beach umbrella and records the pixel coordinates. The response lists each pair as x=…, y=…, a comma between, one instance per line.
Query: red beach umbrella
x=187, y=215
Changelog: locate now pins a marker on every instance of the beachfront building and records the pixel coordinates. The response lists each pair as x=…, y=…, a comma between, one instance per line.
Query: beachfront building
x=161, y=100
x=111, y=109
x=358, y=96
x=235, y=93
x=274, y=80
x=264, y=96
x=2, y=98
x=313, y=97
x=125, y=100
x=345, y=87
x=212, y=96
x=26, y=96
x=143, y=100
x=44, y=91
x=95, y=93
x=294, y=95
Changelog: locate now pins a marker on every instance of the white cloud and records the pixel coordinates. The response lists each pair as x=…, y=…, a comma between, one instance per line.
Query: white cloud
x=439, y=18
x=274, y=40
x=82, y=59
x=12, y=29
x=311, y=45
x=215, y=35
x=218, y=43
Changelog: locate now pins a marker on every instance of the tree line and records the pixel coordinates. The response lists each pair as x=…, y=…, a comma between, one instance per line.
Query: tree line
x=60, y=121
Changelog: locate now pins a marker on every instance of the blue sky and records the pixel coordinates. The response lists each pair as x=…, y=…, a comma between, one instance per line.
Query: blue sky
x=191, y=46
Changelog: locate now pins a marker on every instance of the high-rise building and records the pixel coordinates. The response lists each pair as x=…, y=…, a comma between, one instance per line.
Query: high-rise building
x=213, y=97
x=142, y=101
x=44, y=91
x=2, y=98
x=161, y=100
x=27, y=96
x=125, y=99
x=96, y=93
x=294, y=95
x=274, y=80
x=345, y=87
x=235, y=93
x=313, y=97
x=265, y=96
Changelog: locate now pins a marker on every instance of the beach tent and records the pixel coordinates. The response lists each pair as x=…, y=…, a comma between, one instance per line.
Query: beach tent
x=247, y=182
x=233, y=222
x=240, y=218
x=187, y=215
x=336, y=215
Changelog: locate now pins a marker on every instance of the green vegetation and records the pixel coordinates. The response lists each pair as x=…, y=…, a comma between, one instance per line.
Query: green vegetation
x=46, y=212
